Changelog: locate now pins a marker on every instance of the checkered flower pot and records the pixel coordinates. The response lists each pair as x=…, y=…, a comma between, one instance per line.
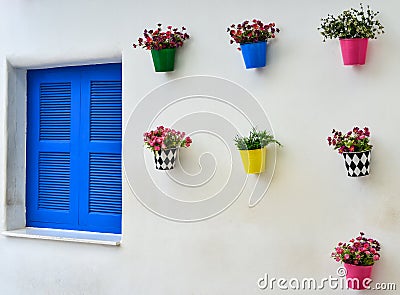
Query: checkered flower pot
x=165, y=159
x=357, y=164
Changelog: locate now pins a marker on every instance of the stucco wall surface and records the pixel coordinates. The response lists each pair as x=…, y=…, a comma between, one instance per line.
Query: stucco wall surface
x=304, y=92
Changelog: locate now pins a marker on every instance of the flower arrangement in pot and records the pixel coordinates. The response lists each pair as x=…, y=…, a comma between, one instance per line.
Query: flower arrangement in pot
x=253, y=37
x=165, y=144
x=355, y=147
x=163, y=45
x=253, y=149
x=358, y=256
x=353, y=27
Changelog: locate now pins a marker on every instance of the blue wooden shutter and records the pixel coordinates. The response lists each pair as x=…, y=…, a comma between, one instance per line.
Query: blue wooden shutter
x=101, y=204
x=74, y=148
x=51, y=135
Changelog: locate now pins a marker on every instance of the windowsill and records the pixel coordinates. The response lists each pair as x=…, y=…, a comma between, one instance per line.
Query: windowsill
x=66, y=236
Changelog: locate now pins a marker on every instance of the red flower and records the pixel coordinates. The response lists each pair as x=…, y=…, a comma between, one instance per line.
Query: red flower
x=251, y=33
x=157, y=39
x=355, y=140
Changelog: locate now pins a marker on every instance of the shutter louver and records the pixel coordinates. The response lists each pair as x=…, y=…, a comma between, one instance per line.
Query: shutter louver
x=54, y=181
x=105, y=110
x=55, y=111
x=105, y=183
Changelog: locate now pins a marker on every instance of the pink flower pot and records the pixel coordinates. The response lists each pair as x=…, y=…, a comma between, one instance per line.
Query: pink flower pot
x=354, y=51
x=357, y=276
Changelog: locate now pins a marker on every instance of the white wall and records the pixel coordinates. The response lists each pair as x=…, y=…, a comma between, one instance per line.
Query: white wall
x=311, y=204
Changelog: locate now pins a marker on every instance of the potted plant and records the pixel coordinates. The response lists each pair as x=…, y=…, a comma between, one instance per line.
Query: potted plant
x=165, y=144
x=355, y=148
x=253, y=149
x=253, y=38
x=358, y=256
x=163, y=45
x=353, y=27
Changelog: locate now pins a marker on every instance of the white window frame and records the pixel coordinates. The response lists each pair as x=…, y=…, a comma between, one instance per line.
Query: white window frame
x=15, y=167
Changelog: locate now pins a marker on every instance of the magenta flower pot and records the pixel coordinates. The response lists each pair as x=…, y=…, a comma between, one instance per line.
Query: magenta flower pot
x=358, y=276
x=354, y=51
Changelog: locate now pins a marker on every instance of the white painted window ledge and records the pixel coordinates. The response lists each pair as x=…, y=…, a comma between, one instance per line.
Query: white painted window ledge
x=66, y=236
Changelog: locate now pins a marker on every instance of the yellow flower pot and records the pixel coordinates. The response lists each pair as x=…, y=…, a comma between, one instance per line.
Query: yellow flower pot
x=254, y=160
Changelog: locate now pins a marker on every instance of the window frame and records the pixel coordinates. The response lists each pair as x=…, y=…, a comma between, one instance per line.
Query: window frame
x=15, y=154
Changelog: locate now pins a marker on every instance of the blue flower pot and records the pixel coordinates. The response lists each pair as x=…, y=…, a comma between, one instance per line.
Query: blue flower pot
x=254, y=54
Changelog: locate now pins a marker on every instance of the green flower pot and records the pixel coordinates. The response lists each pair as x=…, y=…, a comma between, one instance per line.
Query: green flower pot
x=163, y=59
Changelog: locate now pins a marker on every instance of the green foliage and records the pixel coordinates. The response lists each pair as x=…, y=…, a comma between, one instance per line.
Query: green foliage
x=351, y=24
x=256, y=140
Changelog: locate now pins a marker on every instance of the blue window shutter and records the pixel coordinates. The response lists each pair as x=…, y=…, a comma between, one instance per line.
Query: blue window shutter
x=74, y=148
x=51, y=133
x=101, y=204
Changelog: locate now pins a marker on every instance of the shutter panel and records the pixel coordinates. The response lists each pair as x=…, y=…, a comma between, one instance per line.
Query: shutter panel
x=102, y=109
x=55, y=111
x=49, y=201
x=105, y=110
x=105, y=183
x=54, y=181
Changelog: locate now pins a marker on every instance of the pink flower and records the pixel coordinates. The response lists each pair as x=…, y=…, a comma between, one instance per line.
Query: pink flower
x=188, y=141
x=376, y=257
x=165, y=138
x=346, y=256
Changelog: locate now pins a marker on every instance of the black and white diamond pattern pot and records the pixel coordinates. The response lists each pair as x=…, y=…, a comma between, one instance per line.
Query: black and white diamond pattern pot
x=165, y=159
x=357, y=164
